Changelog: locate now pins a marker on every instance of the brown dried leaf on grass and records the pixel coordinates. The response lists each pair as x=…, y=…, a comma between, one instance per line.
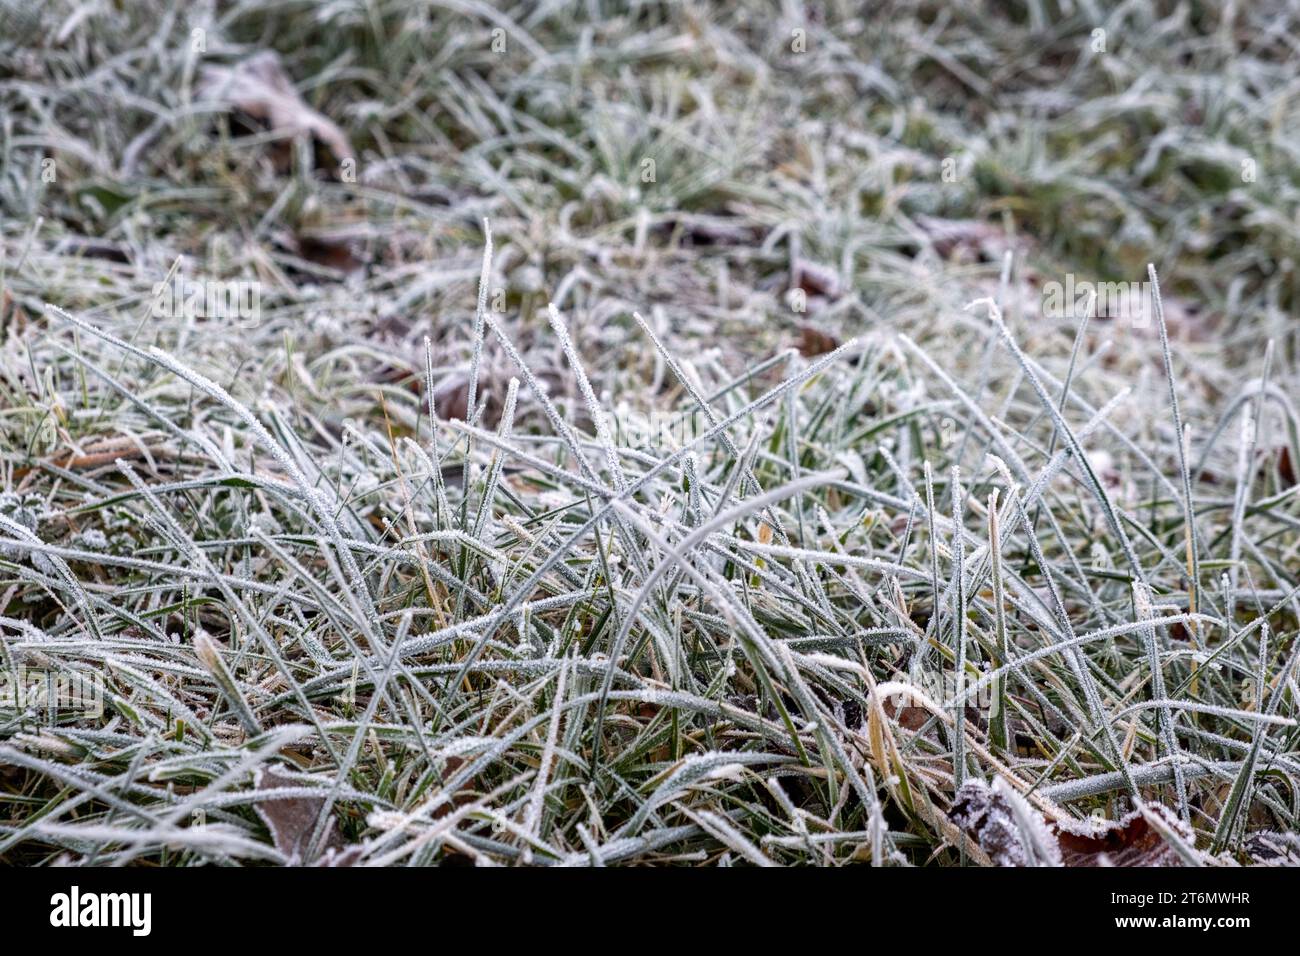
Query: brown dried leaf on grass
x=337, y=254
x=261, y=90
x=1269, y=848
x=816, y=279
x=1004, y=825
x=292, y=820
x=1285, y=467
x=1013, y=834
x=814, y=342
x=913, y=718
x=1131, y=841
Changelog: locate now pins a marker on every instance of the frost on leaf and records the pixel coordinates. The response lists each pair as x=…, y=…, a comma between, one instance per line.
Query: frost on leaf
x=1132, y=841
x=1268, y=848
x=1014, y=834
x=1003, y=825
x=258, y=88
x=292, y=821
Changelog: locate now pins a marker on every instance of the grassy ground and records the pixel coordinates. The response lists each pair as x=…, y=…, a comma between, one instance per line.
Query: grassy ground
x=807, y=511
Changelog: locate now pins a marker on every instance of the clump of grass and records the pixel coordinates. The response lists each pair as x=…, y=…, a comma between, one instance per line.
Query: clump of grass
x=418, y=550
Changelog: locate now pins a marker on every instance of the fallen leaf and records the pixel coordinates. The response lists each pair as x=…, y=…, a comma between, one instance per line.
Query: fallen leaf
x=1003, y=825
x=1178, y=630
x=913, y=718
x=259, y=88
x=1014, y=834
x=292, y=821
x=1285, y=468
x=816, y=279
x=814, y=342
x=462, y=796
x=1268, y=848
x=907, y=716
x=1132, y=841
x=333, y=254
x=852, y=713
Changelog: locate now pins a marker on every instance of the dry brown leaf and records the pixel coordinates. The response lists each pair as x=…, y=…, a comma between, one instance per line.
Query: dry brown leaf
x=292, y=820
x=816, y=279
x=1285, y=469
x=462, y=796
x=1268, y=848
x=332, y=253
x=1003, y=825
x=814, y=342
x=1018, y=836
x=259, y=88
x=909, y=716
x=912, y=717
x=1132, y=841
